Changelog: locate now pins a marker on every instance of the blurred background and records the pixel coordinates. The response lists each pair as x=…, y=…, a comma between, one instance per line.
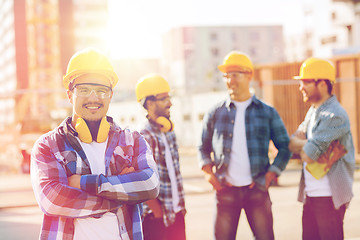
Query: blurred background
x=184, y=41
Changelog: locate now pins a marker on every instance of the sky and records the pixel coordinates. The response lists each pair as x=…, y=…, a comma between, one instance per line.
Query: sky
x=136, y=27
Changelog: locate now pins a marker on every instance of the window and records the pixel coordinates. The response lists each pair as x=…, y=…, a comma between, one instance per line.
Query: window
x=186, y=117
x=213, y=36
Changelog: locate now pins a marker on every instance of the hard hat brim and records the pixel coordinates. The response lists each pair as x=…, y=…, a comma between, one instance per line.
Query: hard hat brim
x=233, y=68
x=113, y=78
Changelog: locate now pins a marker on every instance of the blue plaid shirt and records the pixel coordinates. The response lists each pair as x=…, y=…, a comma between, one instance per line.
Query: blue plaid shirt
x=262, y=123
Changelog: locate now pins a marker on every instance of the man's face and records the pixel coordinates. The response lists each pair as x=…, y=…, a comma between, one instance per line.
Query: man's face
x=310, y=91
x=237, y=83
x=90, y=96
x=163, y=105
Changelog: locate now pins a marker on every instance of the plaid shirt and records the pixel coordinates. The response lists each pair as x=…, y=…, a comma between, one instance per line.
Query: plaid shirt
x=152, y=134
x=262, y=124
x=58, y=155
x=331, y=123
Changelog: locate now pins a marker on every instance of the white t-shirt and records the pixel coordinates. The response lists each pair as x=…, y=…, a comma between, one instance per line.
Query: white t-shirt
x=314, y=187
x=239, y=171
x=106, y=227
x=172, y=175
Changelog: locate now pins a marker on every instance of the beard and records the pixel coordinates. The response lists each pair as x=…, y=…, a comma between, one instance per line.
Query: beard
x=162, y=112
x=315, y=97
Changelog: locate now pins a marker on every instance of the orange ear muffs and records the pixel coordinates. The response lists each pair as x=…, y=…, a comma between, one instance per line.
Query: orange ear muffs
x=166, y=125
x=84, y=133
x=103, y=132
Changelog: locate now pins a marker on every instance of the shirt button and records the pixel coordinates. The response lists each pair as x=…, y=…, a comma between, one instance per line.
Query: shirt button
x=232, y=121
x=230, y=134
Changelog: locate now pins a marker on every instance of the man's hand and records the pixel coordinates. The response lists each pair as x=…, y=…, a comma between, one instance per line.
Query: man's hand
x=305, y=158
x=297, y=141
x=127, y=170
x=155, y=207
x=334, y=152
x=300, y=134
x=269, y=178
x=74, y=181
x=211, y=178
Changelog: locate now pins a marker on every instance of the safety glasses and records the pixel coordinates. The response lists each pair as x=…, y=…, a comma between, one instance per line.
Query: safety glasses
x=85, y=90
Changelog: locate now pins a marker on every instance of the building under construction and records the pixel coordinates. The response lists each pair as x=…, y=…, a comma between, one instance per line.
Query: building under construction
x=37, y=38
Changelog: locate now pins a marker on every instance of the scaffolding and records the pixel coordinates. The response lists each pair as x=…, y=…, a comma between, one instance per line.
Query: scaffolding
x=42, y=26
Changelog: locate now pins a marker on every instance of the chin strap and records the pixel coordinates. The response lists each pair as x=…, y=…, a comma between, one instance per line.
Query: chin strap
x=84, y=133
x=166, y=125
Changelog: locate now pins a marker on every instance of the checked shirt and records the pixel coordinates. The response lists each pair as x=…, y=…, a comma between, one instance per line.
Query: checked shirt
x=152, y=134
x=262, y=124
x=58, y=155
x=331, y=123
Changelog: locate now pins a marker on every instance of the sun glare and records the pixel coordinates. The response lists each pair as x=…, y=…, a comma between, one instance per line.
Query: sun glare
x=130, y=32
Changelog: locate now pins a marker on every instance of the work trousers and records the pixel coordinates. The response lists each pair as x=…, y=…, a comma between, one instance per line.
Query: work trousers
x=321, y=221
x=257, y=205
x=155, y=229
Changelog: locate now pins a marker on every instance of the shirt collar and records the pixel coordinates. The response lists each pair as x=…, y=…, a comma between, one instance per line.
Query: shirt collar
x=229, y=102
x=328, y=102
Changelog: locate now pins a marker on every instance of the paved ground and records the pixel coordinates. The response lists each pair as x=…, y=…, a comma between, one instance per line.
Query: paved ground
x=18, y=208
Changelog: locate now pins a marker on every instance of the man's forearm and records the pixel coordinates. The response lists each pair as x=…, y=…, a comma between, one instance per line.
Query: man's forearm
x=305, y=158
x=296, y=144
x=118, y=187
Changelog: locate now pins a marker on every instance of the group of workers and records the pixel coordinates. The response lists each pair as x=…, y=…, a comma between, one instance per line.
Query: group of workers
x=96, y=180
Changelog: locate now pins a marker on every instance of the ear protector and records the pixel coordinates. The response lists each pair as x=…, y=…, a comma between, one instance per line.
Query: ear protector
x=84, y=133
x=166, y=125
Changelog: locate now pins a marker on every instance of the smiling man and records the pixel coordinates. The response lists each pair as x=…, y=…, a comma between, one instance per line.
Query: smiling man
x=89, y=176
x=325, y=195
x=234, y=152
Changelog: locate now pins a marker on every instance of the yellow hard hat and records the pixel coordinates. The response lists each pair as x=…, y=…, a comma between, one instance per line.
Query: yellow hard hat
x=151, y=85
x=87, y=61
x=317, y=68
x=236, y=61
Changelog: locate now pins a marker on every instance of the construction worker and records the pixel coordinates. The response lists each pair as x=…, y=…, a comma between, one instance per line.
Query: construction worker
x=324, y=142
x=89, y=175
x=233, y=152
x=164, y=217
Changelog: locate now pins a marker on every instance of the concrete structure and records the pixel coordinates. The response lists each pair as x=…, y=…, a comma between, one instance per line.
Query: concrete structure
x=330, y=27
x=90, y=22
x=191, y=54
x=37, y=39
x=8, y=65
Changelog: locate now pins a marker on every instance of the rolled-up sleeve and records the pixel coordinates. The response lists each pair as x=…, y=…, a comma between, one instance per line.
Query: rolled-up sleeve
x=330, y=128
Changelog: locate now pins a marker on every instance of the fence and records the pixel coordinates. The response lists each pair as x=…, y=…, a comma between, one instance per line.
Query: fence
x=283, y=93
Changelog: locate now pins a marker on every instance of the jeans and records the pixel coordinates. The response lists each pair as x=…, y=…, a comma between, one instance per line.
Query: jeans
x=154, y=228
x=257, y=206
x=321, y=220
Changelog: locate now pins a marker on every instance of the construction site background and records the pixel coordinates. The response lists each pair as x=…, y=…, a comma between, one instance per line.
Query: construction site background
x=275, y=86
x=33, y=99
